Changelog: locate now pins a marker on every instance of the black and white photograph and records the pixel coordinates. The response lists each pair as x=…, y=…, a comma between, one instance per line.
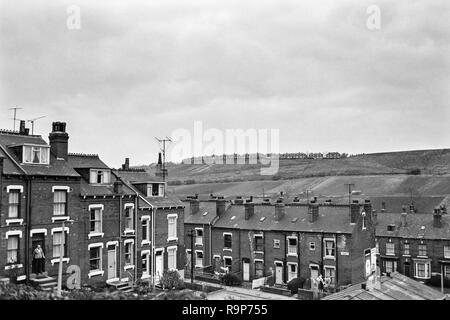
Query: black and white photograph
x=227, y=155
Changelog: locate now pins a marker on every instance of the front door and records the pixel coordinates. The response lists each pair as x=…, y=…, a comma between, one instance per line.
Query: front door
x=278, y=273
x=159, y=265
x=407, y=269
x=112, y=267
x=37, y=239
x=246, y=270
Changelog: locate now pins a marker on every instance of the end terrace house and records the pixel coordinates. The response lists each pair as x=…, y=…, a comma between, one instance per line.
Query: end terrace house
x=159, y=222
x=38, y=191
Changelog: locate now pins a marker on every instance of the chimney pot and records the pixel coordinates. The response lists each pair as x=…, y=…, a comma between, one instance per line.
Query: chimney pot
x=437, y=218
x=280, y=211
x=22, y=129
x=118, y=187
x=249, y=209
x=59, y=140
x=354, y=211
x=194, y=205
x=313, y=212
x=220, y=206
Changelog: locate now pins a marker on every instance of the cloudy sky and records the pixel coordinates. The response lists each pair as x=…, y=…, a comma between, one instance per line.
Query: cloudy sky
x=312, y=69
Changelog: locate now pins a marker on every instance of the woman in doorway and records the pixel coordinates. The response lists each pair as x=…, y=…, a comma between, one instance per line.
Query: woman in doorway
x=38, y=259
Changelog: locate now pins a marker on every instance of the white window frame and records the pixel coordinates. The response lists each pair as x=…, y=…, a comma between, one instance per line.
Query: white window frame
x=65, y=256
x=427, y=269
x=333, y=282
x=93, y=176
x=125, y=243
x=100, y=271
x=409, y=249
x=64, y=216
x=276, y=243
x=231, y=235
x=173, y=237
x=391, y=250
x=196, y=259
x=133, y=217
x=199, y=240
x=447, y=251
x=32, y=146
x=327, y=256
x=262, y=237
x=146, y=241
x=173, y=249
x=146, y=272
x=418, y=250
x=14, y=219
x=292, y=254
x=227, y=257
x=96, y=233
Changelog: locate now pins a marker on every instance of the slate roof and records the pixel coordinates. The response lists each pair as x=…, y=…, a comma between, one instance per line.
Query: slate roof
x=136, y=175
x=393, y=287
x=205, y=215
x=332, y=219
x=12, y=163
x=161, y=202
x=82, y=161
x=423, y=204
x=413, y=229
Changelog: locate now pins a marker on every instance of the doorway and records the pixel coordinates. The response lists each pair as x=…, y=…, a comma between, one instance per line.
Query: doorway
x=37, y=239
x=112, y=262
x=246, y=270
x=278, y=272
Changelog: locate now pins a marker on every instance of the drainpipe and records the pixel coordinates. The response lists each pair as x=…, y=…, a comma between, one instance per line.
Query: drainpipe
x=135, y=238
x=337, y=267
x=27, y=227
x=120, y=235
x=153, y=265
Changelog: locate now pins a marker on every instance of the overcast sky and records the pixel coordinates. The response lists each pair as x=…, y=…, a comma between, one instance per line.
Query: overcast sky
x=311, y=69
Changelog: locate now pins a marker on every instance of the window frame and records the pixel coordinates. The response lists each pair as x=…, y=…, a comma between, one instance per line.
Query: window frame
x=58, y=245
x=129, y=220
x=172, y=236
x=427, y=269
x=16, y=249
x=129, y=243
x=291, y=252
x=227, y=235
x=326, y=255
x=259, y=262
x=94, y=208
x=421, y=250
x=199, y=239
x=276, y=243
x=173, y=250
x=390, y=249
x=14, y=190
x=59, y=204
x=197, y=265
x=44, y=154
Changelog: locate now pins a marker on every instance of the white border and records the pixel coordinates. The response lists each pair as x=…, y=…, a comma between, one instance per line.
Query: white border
x=33, y=231
x=13, y=233
x=59, y=229
x=61, y=188
x=14, y=187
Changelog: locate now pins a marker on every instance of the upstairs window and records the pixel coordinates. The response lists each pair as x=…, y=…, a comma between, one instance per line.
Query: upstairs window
x=423, y=250
x=390, y=249
x=292, y=246
x=276, y=243
x=330, y=248
x=129, y=218
x=259, y=243
x=199, y=236
x=128, y=253
x=36, y=154
x=146, y=229
x=227, y=241
x=446, y=251
x=155, y=190
x=172, y=226
x=59, y=202
x=14, y=203
x=96, y=220
x=406, y=251
x=100, y=176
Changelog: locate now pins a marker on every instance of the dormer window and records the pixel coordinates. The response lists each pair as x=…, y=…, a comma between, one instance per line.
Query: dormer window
x=35, y=154
x=100, y=176
x=155, y=190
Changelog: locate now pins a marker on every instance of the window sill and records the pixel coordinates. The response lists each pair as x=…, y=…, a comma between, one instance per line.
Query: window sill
x=227, y=249
x=259, y=252
x=129, y=267
x=56, y=260
x=199, y=244
x=13, y=266
x=95, y=273
x=330, y=257
x=12, y=221
x=60, y=218
x=292, y=255
x=95, y=234
x=423, y=257
x=129, y=231
x=145, y=242
x=172, y=239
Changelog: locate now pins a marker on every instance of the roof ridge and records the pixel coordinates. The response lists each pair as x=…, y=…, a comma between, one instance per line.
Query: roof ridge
x=83, y=154
x=17, y=133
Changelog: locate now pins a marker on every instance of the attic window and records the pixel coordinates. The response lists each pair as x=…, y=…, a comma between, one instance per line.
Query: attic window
x=36, y=154
x=100, y=176
x=205, y=213
x=262, y=219
x=391, y=227
x=233, y=217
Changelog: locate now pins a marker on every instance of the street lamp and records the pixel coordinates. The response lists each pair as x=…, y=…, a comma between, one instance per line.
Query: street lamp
x=61, y=254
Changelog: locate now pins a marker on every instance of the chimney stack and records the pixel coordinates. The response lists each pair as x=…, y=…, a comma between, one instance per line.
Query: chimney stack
x=437, y=218
x=383, y=206
x=126, y=165
x=220, y=206
x=313, y=211
x=368, y=206
x=404, y=216
x=249, y=208
x=280, y=210
x=375, y=217
x=22, y=129
x=194, y=205
x=118, y=187
x=354, y=211
x=59, y=140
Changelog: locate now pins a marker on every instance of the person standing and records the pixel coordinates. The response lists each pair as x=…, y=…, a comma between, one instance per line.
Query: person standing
x=38, y=259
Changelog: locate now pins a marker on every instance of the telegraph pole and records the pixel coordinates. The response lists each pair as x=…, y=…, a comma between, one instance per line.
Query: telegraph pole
x=163, y=150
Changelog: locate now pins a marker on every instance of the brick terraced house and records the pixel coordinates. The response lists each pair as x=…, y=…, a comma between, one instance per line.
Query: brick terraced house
x=101, y=217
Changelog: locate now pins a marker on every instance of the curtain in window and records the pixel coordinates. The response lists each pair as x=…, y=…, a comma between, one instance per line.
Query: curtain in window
x=13, y=204
x=93, y=176
x=171, y=259
x=36, y=155
x=13, y=245
x=57, y=239
x=44, y=155
x=128, y=253
x=59, y=202
x=172, y=228
x=27, y=154
x=329, y=248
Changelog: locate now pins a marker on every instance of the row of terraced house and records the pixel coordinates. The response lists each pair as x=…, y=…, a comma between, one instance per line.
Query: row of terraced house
x=291, y=240
x=107, y=222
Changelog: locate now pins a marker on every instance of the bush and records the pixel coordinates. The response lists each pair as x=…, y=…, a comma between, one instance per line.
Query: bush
x=171, y=280
x=294, y=284
x=231, y=279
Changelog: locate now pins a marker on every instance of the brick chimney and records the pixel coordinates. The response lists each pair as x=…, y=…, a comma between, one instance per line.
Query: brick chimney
x=354, y=211
x=220, y=206
x=194, y=204
x=118, y=187
x=22, y=130
x=280, y=210
x=437, y=218
x=126, y=165
x=404, y=216
x=375, y=217
x=383, y=206
x=368, y=206
x=249, y=208
x=313, y=211
x=59, y=140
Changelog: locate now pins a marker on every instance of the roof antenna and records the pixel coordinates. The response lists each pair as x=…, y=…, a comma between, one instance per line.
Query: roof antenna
x=15, y=116
x=163, y=149
x=32, y=123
